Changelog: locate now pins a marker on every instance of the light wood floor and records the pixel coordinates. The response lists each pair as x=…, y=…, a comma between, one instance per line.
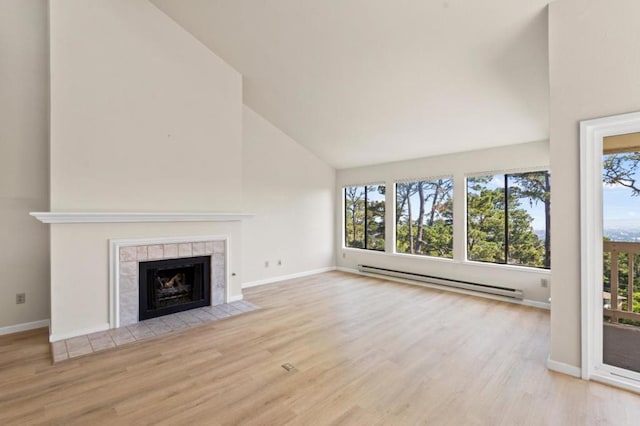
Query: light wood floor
x=366, y=352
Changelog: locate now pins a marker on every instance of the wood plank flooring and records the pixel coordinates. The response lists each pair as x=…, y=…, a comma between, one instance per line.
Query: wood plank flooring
x=365, y=351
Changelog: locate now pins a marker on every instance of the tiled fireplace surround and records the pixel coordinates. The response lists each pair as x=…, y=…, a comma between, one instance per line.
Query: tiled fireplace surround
x=125, y=256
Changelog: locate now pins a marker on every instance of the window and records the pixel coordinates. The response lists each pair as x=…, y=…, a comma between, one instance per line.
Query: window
x=364, y=217
x=424, y=217
x=508, y=219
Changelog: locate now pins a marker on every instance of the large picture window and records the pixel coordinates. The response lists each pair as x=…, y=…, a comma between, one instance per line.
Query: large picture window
x=364, y=212
x=508, y=219
x=424, y=217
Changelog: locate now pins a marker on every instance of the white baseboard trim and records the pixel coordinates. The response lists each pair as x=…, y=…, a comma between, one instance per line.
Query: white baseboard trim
x=349, y=270
x=235, y=298
x=54, y=337
x=288, y=277
x=17, y=328
x=525, y=302
x=561, y=367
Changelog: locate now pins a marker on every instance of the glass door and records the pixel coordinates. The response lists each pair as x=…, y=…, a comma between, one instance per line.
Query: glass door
x=621, y=252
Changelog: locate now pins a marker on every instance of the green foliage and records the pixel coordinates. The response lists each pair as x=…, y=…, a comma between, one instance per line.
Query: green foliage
x=621, y=169
x=485, y=222
x=354, y=216
x=525, y=248
x=375, y=219
x=534, y=188
x=360, y=232
x=486, y=226
x=424, y=219
x=425, y=228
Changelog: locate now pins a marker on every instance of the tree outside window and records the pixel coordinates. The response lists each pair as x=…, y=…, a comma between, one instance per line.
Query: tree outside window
x=508, y=219
x=364, y=217
x=424, y=217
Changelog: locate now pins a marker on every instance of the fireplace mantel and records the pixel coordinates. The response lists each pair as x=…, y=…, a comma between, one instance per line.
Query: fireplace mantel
x=137, y=217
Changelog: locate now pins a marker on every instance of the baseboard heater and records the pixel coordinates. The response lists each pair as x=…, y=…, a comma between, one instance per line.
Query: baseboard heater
x=465, y=285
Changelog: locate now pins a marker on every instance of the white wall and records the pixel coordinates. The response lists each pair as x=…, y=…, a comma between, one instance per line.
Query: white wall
x=530, y=156
x=594, y=69
x=143, y=118
x=24, y=160
x=292, y=193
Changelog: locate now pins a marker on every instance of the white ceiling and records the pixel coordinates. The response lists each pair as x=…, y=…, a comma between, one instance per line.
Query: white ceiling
x=361, y=82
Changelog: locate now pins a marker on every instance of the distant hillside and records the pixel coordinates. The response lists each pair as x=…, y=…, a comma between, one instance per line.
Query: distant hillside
x=627, y=235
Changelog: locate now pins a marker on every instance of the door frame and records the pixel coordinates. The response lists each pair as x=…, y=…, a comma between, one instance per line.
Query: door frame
x=592, y=133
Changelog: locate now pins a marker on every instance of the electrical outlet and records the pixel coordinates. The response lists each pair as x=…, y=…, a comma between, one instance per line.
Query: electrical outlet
x=21, y=298
x=266, y=263
x=544, y=282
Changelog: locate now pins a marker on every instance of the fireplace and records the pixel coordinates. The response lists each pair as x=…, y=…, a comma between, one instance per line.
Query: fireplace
x=173, y=285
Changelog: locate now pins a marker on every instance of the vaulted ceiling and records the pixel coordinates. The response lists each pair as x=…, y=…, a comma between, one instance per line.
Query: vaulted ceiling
x=362, y=82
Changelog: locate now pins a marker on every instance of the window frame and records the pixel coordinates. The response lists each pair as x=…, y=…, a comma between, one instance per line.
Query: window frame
x=395, y=206
x=365, y=224
x=505, y=176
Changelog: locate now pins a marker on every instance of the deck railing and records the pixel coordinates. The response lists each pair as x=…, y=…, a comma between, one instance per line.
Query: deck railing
x=616, y=310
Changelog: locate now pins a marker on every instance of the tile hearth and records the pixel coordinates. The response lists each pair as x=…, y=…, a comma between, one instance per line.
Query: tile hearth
x=97, y=342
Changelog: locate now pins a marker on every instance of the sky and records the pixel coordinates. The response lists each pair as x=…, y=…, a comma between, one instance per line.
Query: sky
x=415, y=203
x=620, y=210
x=536, y=210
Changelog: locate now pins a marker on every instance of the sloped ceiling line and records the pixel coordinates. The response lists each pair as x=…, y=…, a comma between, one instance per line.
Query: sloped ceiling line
x=365, y=82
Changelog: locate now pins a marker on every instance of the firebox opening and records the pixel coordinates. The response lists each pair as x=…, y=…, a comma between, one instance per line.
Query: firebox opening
x=174, y=285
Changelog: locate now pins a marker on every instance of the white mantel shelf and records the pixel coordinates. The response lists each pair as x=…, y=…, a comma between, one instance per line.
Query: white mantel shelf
x=122, y=217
